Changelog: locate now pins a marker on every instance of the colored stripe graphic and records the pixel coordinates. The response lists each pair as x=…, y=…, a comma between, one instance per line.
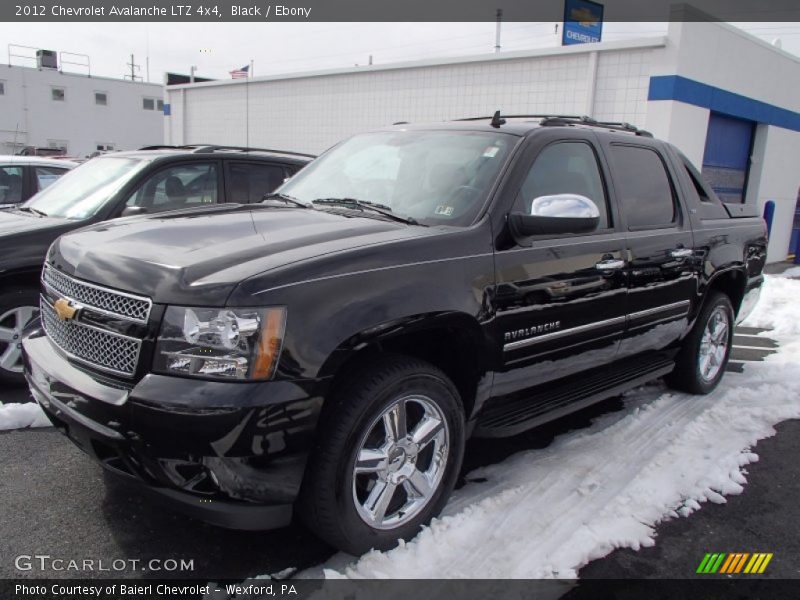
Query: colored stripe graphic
x=734, y=563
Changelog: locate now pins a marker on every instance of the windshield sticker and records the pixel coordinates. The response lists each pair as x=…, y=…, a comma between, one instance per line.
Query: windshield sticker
x=445, y=211
x=491, y=151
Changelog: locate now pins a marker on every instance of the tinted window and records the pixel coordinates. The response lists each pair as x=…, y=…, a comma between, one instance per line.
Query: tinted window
x=47, y=175
x=643, y=187
x=10, y=185
x=177, y=187
x=250, y=181
x=565, y=168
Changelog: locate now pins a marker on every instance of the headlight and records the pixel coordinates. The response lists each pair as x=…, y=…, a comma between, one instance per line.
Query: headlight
x=220, y=343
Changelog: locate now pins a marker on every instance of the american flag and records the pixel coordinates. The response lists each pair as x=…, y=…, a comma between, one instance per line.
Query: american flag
x=240, y=73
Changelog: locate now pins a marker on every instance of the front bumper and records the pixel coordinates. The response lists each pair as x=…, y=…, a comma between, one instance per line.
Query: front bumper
x=232, y=454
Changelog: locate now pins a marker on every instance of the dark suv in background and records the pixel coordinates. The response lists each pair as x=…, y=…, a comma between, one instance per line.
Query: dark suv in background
x=151, y=180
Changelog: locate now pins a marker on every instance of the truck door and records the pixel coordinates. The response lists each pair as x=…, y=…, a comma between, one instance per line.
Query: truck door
x=660, y=260
x=560, y=299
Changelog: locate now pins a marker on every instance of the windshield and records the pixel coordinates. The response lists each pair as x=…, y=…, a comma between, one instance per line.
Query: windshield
x=80, y=193
x=434, y=177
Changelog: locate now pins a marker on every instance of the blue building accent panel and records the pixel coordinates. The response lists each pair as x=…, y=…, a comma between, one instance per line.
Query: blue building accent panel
x=689, y=91
x=726, y=160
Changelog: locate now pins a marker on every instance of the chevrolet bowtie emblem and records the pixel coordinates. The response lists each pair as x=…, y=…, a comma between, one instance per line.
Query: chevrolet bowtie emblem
x=64, y=309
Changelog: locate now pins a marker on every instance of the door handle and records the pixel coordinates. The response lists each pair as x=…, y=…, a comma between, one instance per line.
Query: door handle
x=681, y=252
x=610, y=265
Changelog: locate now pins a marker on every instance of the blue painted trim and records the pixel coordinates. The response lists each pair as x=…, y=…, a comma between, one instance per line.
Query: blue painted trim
x=689, y=91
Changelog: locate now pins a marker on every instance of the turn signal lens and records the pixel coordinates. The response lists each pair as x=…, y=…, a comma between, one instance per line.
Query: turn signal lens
x=269, y=343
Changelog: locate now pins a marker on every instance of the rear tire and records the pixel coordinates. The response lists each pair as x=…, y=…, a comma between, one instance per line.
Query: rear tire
x=387, y=455
x=17, y=309
x=701, y=362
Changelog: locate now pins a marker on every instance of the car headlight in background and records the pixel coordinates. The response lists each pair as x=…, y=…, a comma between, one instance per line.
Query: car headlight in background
x=220, y=343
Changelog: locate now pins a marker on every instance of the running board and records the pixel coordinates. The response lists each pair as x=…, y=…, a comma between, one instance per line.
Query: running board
x=509, y=416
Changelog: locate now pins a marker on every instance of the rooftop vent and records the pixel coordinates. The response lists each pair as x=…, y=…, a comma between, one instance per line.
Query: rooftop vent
x=46, y=59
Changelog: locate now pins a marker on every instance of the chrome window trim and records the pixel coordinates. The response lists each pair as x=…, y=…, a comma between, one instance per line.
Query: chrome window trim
x=596, y=325
x=101, y=288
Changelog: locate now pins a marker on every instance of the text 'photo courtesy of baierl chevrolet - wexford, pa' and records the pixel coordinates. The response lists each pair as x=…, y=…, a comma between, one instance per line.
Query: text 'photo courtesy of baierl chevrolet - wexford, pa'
x=328, y=299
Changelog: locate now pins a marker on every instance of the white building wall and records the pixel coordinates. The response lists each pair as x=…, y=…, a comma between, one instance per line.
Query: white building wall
x=310, y=112
x=29, y=115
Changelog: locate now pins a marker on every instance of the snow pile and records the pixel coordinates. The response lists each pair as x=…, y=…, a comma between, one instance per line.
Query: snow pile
x=16, y=416
x=546, y=513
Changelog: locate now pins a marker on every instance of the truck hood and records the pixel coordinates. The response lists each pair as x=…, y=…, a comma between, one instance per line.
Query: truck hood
x=197, y=257
x=25, y=237
x=13, y=220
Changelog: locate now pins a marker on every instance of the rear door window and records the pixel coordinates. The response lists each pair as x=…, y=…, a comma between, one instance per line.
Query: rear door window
x=249, y=182
x=643, y=187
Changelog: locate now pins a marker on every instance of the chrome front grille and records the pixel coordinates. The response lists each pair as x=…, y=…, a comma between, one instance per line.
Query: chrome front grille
x=105, y=300
x=98, y=348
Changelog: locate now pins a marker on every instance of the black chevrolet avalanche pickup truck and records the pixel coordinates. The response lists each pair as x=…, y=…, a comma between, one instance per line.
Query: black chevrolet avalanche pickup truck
x=328, y=351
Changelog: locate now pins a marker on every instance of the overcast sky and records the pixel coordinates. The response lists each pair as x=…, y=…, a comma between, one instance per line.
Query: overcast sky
x=217, y=48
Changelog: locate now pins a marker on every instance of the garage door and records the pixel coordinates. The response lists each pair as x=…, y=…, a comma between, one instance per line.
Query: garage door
x=726, y=161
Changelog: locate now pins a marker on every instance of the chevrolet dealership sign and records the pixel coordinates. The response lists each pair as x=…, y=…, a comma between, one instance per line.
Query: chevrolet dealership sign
x=583, y=22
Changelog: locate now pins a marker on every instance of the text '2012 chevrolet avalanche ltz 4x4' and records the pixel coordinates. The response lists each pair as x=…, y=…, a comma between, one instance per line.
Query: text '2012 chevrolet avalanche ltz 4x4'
x=328, y=351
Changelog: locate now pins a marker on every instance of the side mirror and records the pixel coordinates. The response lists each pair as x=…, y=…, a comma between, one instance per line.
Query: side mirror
x=131, y=211
x=556, y=214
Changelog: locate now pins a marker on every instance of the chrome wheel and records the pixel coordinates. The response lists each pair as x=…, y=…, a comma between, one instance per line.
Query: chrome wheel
x=714, y=344
x=400, y=462
x=12, y=323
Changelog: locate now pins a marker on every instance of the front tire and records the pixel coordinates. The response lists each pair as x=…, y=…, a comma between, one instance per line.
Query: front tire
x=17, y=309
x=387, y=458
x=701, y=362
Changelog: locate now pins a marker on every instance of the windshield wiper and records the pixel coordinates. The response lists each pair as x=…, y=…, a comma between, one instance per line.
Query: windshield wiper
x=366, y=205
x=286, y=198
x=35, y=211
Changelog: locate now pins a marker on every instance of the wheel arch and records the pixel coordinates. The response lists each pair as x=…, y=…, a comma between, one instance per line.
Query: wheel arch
x=451, y=341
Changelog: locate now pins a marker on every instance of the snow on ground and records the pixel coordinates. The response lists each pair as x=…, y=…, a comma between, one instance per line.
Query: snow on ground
x=546, y=513
x=16, y=416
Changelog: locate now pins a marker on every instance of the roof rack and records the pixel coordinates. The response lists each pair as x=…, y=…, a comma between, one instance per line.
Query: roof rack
x=542, y=116
x=549, y=120
x=584, y=120
x=210, y=148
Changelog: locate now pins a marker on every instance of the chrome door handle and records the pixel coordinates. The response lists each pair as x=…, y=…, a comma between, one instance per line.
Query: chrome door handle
x=610, y=265
x=681, y=253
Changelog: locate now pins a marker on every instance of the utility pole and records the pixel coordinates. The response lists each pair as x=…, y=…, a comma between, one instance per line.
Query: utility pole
x=134, y=67
x=497, y=32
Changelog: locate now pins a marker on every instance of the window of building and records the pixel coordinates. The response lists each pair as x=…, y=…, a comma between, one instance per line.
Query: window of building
x=565, y=168
x=149, y=103
x=643, y=187
x=101, y=98
x=105, y=146
x=2, y=88
x=58, y=94
x=251, y=181
x=160, y=105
